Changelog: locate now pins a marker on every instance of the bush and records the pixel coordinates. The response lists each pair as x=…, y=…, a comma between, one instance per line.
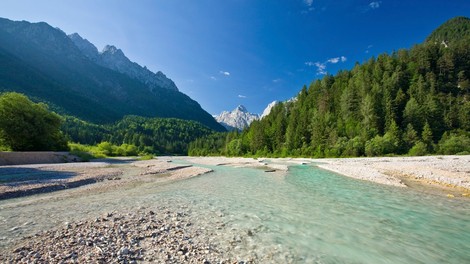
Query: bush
x=27, y=126
x=146, y=157
x=107, y=148
x=419, y=149
x=454, y=143
x=353, y=148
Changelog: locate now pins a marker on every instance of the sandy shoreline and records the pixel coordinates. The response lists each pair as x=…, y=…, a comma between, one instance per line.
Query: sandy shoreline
x=447, y=172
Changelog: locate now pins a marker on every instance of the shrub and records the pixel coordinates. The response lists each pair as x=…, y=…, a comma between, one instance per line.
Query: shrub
x=28, y=126
x=454, y=143
x=419, y=149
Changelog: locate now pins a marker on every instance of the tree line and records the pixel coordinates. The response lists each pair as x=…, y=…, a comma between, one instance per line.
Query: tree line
x=29, y=126
x=412, y=102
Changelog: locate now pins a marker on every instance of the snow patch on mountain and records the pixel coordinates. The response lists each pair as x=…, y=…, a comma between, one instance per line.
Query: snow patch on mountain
x=268, y=109
x=239, y=118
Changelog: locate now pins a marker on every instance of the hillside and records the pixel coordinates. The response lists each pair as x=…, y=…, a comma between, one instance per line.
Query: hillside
x=414, y=101
x=455, y=30
x=45, y=64
x=149, y=135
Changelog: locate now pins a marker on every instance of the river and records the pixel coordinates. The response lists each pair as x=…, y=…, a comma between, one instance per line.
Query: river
x=307, y=215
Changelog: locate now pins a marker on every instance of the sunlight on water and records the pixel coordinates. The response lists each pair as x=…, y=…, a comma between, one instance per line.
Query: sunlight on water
x=308, y=216
x=329, y=218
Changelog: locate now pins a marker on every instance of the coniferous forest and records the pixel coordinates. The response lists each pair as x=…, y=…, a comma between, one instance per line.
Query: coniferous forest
x=29, y=126
x=413, y=101
x=149, y=135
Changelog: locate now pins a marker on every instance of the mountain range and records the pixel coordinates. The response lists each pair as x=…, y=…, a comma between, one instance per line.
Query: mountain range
x=239, y=118
x=69, y=74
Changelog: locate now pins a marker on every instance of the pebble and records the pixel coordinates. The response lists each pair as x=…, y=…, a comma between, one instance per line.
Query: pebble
x=129, y=237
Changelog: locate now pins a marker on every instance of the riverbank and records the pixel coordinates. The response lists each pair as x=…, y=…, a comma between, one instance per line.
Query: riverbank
x=35, y=157
x=24, y=180
x=444, y=175
x=450, y=174
x=123, y=217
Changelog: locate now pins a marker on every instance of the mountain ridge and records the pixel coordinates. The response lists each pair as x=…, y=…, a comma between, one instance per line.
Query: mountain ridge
x=49, y=67
x=114, y=58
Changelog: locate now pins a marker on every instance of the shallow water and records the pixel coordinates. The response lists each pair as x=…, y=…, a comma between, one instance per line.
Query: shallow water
x=307, y=216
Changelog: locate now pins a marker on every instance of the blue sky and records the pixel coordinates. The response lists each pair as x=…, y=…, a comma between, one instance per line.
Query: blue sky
x=250, y=52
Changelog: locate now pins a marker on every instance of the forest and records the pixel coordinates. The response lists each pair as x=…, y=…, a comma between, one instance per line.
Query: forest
x=29, y=126
x=159, y=136
x=410, y=102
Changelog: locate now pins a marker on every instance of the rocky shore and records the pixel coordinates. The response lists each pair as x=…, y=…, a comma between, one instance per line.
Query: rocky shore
x=25, y=180
x=161, y=235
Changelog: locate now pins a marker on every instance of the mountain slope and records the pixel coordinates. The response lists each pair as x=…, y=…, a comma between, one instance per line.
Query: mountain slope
x=412, y=102
x=454, y=30
x=48, y=66
x=268, y=109
x=239, y=118
x=114, y=59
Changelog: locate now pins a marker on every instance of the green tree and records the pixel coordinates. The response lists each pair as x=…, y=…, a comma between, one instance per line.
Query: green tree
x=426, y=136
x=28, y=126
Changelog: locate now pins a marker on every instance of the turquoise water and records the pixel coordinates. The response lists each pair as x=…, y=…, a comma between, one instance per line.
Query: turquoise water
x=318, y=216
x=307, y=216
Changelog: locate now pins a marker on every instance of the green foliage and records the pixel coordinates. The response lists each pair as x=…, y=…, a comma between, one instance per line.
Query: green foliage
x=419, y=149
x=49, y=69
x=146, y=157
x=395, y=104
x=135, y=135
x=454, y=143
x=426, y=136
x=209, y=145
x=27, y=126
x=454, y=30
x=102, y=150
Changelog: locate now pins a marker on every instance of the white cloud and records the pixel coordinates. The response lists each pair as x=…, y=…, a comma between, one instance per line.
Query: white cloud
x=375, y=5
x=241, y=96
x=321, y=66
x=213, y=78
x=277, y=80
x=308, y=2
x=226, y=73
x=333, y=60
x=309, y=63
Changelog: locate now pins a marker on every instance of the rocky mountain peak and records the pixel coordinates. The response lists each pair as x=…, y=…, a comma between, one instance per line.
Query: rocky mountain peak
x=268, y=109
x=239, y=118
x=114, y=58
x=86, y=47
x=241, y=108
x=110, y=49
